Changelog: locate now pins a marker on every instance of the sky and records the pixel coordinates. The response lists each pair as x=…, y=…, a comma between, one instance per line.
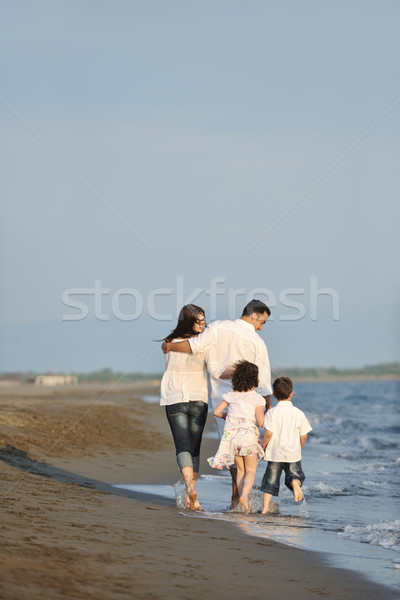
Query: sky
x=162, y=152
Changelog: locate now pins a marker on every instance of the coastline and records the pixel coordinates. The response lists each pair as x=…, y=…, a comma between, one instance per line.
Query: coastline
x=151, y=386
x=341, y=378
x=67, y=533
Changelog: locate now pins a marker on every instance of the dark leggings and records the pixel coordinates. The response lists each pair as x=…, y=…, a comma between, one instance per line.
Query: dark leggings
x=187, y=420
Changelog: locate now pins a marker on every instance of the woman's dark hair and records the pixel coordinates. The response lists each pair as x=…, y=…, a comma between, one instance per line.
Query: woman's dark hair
x=282, y=388
x=245, y=376
x=188, y=316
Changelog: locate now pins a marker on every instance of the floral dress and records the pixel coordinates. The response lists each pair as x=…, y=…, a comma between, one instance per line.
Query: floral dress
x=241, y=436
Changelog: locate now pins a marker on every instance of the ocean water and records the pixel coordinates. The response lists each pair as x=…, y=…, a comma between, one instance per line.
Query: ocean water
x=352, y=487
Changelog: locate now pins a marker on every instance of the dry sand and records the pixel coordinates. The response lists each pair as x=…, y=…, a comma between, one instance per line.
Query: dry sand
x=66, y=533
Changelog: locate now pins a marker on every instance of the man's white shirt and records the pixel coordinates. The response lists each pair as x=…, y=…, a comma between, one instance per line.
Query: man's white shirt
x=228, y=342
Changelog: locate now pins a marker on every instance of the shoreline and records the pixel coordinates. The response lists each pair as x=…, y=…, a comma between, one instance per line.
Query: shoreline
x=153, y=384
x=347, y=378
x=72, y=535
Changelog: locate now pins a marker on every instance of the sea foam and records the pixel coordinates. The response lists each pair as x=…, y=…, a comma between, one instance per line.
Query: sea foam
x=384, y=533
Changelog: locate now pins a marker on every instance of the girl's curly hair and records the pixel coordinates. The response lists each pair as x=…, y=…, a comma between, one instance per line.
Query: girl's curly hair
x=245, y=376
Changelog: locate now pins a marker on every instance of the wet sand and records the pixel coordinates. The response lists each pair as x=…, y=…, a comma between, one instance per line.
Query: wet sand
x=66, y=533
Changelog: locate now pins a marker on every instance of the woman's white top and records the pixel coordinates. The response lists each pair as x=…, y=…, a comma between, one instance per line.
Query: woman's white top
x=242, y=406
x=185, y=378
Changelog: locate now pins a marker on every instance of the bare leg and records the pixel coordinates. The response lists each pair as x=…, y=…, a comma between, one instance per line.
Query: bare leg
x=250, y=467
x=197, y=503
x=266, y=501
x=187, y=474
x=235, y=493
x=187, y=495
x=192, y=501
x=188, y=478
x=239, y=463
x=297, y=493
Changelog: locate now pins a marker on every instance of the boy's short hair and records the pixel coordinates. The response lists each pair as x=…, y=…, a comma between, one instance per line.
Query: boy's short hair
x=282, y=388
x=245, y=376
x=255, y=306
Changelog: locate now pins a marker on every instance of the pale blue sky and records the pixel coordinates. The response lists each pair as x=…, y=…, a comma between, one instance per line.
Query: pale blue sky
x=195, y=127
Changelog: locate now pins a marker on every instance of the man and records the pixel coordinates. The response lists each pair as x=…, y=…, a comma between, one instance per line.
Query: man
x=229, y=342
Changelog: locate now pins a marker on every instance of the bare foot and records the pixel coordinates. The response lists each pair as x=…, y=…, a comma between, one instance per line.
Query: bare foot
x=266, y=509
x=194, y=503
x=297, y=493
x=274, y=508
x=245, y=505
x=197, y=505
x=271, y=509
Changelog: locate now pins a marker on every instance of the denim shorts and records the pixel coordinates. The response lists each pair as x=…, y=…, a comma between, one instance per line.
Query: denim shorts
x=271, y=480
x=187, y=421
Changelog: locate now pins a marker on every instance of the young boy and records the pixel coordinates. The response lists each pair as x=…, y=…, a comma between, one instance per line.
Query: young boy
x=286, y=433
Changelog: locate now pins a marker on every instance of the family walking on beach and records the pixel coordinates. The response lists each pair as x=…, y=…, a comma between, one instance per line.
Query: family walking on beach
x=237, y=362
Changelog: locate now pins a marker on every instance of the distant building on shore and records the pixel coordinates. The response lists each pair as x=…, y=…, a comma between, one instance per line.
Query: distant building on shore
x=56, y=380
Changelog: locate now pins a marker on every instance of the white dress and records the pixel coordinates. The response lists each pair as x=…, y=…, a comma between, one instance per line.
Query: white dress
x=241, y=436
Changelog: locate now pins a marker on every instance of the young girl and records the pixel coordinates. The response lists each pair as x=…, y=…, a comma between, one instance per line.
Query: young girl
x=240, y=442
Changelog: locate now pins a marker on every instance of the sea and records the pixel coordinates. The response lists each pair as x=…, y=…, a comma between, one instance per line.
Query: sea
x=351, y=459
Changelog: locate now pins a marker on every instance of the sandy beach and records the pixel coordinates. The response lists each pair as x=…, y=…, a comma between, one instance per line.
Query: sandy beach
x=67, y=533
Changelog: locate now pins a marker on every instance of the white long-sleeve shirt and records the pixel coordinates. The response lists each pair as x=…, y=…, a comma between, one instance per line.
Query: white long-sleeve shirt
x=185, y=378
x=228, y=342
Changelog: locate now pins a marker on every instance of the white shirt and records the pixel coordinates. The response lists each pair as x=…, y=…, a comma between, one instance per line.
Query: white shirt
x=185, y=378
x=242, y=406
x=228, y=342
x=287, y=423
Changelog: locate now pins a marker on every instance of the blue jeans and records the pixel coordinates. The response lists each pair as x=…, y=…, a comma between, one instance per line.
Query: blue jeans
x=187, y=421
x=271, y=480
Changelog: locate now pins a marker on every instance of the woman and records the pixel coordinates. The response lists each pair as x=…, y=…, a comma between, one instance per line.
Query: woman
x=184, y=393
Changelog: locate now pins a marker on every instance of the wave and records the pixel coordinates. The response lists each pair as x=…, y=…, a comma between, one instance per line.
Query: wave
x=338, y=424
x=392, y=429
x=385, y=533
x=315, y=439
x=368, y=443
x=345, y=455
x=382, y=466
x=323, y=490
x=379, y=484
